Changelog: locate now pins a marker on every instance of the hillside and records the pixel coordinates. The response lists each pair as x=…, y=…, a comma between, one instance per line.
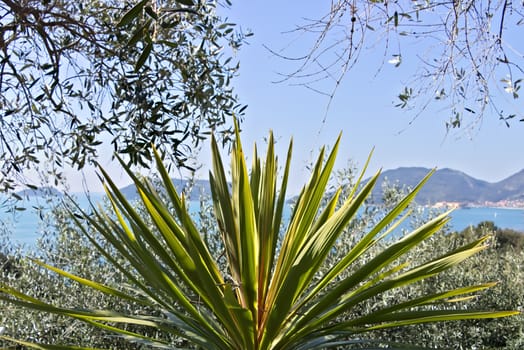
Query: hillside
x=39, y=192
x=200, y=187
x=448, y=185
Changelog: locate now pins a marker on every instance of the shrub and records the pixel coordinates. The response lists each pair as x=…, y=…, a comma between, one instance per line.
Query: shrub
x=269, y=289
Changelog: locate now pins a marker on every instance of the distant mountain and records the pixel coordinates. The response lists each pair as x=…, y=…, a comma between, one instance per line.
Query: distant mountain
x=200, y=187
x=448, y=185
x=512, y=187
x=39, y=191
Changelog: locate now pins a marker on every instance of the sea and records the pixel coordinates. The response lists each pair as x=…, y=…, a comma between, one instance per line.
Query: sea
x=23, y=223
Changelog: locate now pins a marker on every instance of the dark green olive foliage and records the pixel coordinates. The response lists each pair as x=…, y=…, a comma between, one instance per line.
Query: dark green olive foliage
x=61, y=245
x=503, y=262
x=8, y=266
x=79, y=74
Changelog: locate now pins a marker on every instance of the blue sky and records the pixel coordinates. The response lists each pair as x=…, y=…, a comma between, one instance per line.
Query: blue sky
x=362, y=109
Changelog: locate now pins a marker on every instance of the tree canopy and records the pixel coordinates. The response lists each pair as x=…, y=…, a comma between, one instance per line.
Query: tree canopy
x=469, y=60
x=75, y=75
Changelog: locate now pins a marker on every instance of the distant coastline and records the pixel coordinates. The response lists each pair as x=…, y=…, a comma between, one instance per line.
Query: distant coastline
x=453, y=188
x=39, y=192
x=506, y=204
x=25, y=227
x=446, y=188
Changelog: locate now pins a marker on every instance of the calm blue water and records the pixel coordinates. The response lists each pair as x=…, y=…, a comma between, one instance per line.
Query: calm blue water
x=26, y=226
x=503, y=218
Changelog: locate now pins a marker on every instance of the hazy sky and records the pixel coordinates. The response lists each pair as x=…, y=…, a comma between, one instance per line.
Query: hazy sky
x=362, y=109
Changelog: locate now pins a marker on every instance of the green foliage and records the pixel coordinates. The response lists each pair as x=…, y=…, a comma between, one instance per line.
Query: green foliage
x=8, y=266
x=505, y=239
x=63, y=246
x=72, y=81
x=272, y=288
x=503, y=266
x=501, y=263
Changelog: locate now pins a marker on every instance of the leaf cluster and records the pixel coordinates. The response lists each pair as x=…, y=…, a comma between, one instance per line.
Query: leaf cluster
x=76, y=75
x=276, y=288
x=494, y=264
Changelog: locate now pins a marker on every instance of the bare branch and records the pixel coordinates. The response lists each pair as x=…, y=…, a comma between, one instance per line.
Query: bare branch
x=464, y=59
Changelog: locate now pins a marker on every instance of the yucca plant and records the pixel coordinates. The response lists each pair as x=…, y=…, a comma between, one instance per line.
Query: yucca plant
x=275, y=291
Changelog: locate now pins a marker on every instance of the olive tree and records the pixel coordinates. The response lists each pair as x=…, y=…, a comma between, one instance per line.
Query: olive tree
x=79, y=75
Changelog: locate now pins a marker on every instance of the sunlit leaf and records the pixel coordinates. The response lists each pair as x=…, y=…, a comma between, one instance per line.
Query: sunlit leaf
x=132, y=13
